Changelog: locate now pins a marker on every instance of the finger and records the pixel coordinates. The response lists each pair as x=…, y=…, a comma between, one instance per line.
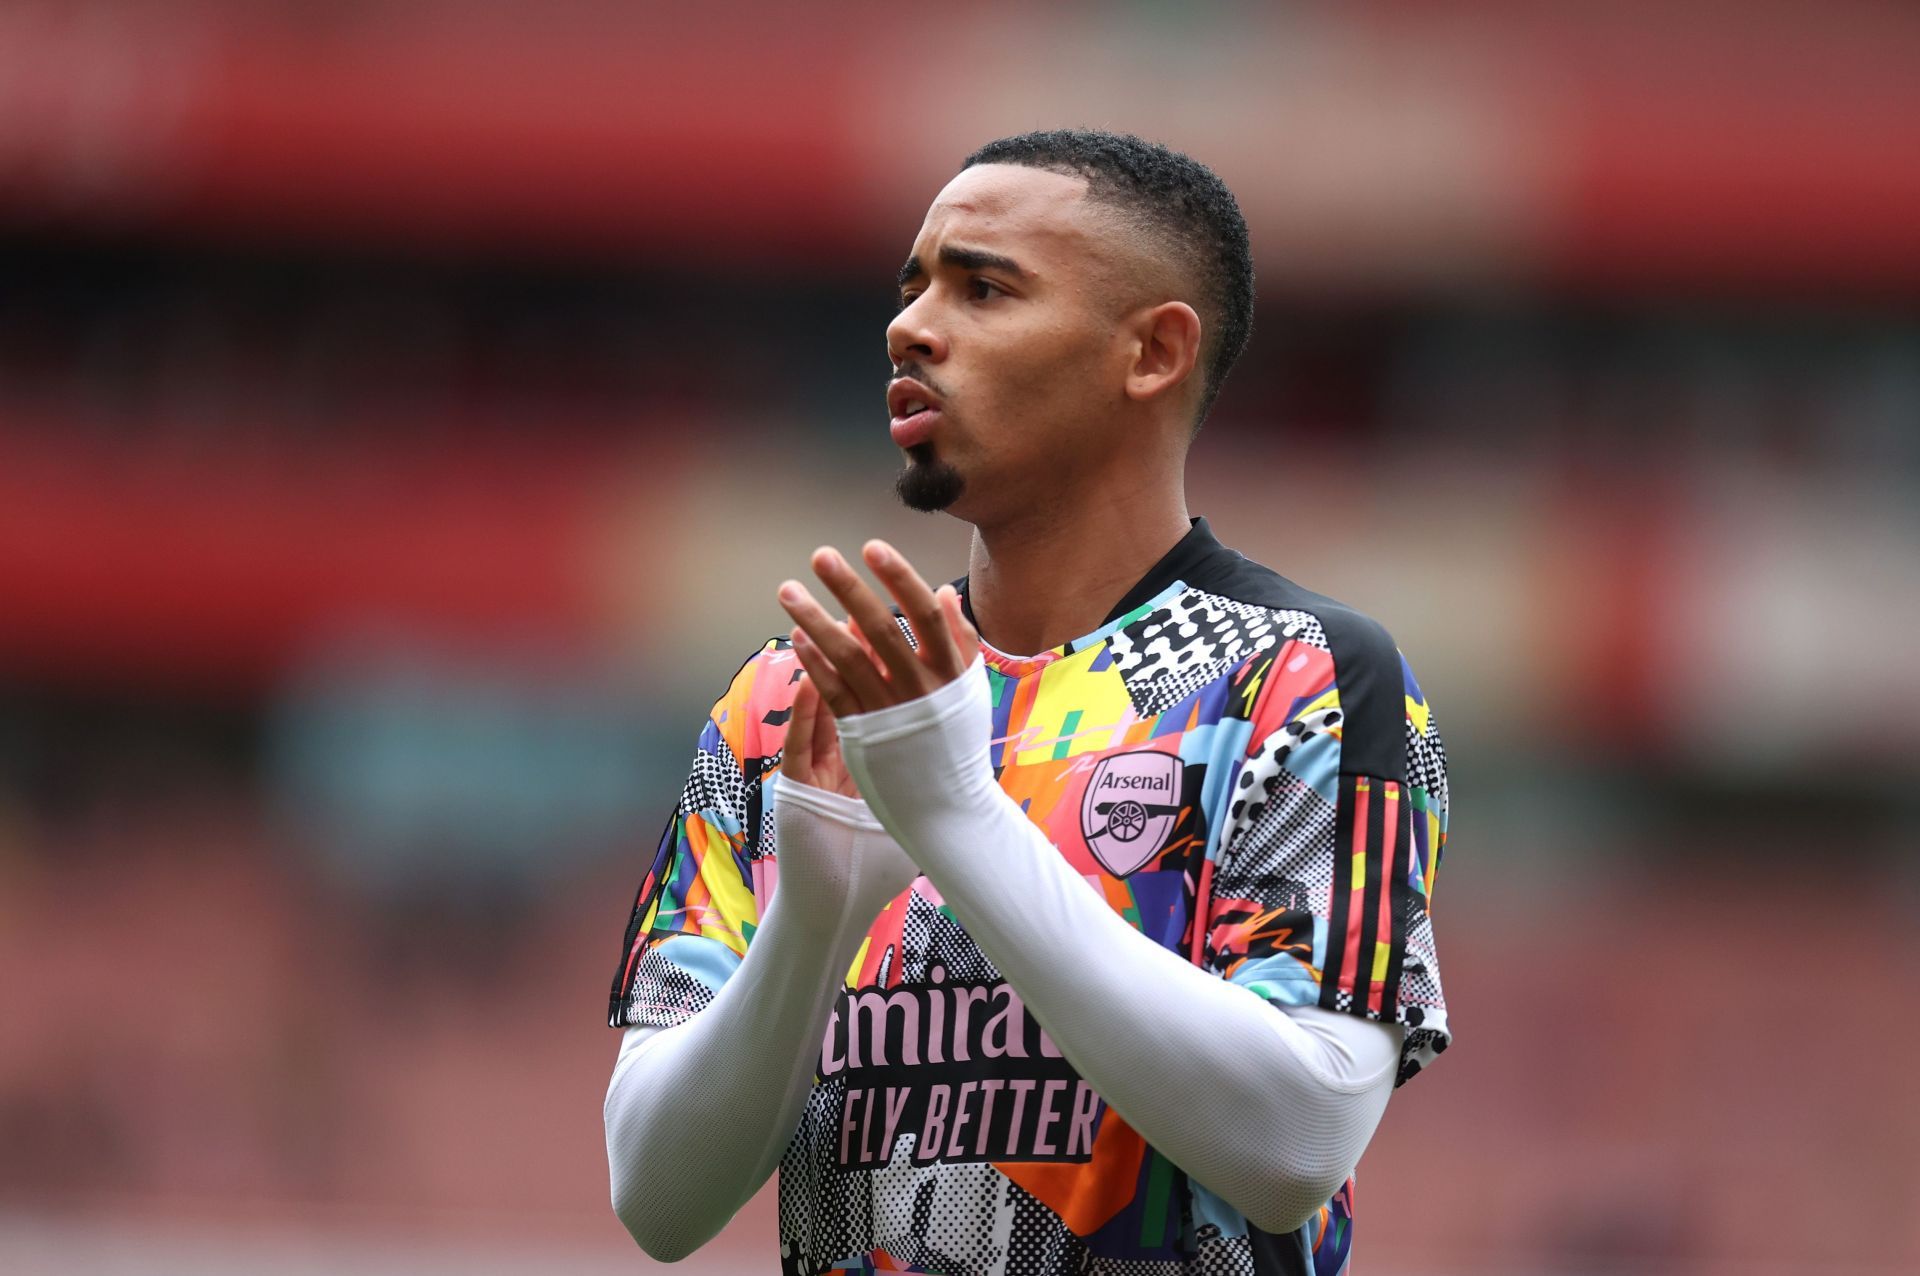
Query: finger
x=965, y=638
x=917, y=603
x=853, y=670
x=820, y=671
x=860, y=636
x=876, y=622
x=798, y=752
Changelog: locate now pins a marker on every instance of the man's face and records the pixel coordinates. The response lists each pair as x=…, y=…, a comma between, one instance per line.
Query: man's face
x=1005, y=351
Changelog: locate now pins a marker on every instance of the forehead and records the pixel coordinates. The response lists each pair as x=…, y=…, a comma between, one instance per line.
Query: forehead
x=1007, y=207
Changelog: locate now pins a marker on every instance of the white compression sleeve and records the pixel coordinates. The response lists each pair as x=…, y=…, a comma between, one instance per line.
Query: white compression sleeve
x=698, y=1115
x=1269, y=1110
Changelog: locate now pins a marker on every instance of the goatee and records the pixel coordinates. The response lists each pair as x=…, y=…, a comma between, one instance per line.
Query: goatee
x=927, y=484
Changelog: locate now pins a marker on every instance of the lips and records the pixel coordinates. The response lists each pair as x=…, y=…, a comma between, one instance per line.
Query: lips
x=915, y=412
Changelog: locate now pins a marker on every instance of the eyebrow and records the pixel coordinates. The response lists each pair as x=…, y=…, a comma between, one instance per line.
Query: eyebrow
x=964, y=259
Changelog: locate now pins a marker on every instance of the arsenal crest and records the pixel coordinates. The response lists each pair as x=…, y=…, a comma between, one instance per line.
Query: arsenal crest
x=1131, y=804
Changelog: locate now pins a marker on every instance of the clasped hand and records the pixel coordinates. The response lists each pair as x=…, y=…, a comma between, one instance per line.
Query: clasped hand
x=865, y=662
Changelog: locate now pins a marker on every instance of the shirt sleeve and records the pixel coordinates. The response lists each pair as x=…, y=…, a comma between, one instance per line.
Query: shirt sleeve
x=1321, y=891
x=700, y=900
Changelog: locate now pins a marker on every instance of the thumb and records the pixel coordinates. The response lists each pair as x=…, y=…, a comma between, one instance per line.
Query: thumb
x=965, y=638
x=797, y=752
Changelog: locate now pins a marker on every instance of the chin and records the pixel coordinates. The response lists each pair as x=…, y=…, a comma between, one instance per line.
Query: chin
x=927, y=483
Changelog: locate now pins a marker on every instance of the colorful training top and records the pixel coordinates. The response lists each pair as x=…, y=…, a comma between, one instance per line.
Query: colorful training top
x=1245, y=770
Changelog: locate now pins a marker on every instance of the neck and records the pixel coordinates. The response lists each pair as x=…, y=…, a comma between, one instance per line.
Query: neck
x=1049, y=577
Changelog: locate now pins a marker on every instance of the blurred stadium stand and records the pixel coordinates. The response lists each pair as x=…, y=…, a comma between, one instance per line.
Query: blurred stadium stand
x=407, y=410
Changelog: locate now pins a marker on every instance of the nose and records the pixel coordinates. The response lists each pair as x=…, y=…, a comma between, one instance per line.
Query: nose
x=912, y=335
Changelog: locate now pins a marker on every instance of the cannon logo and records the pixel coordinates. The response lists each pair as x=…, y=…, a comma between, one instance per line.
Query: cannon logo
x=1131, y=804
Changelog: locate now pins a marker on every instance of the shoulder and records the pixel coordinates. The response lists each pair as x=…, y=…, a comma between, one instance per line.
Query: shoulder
x=1322, y=649
x=750, y=717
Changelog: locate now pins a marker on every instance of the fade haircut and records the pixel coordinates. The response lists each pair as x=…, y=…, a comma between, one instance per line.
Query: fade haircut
x=1183, y=208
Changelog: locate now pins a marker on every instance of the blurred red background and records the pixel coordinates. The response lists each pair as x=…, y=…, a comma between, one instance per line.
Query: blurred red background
x=407, y=410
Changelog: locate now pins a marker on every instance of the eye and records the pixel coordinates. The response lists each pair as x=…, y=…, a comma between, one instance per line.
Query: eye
x=981, y=287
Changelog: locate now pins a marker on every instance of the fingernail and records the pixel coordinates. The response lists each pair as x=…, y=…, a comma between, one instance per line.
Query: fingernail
x=879, y=553
x=789, y=592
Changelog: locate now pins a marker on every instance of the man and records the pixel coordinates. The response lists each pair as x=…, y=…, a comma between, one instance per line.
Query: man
x=1104, y=958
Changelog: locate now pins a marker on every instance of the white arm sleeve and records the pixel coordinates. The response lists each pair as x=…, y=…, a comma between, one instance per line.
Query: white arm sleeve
x=698, y=1114
x=1268, y=1110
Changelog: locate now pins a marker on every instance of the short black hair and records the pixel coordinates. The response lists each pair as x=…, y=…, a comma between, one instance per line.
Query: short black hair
x=1172, y=197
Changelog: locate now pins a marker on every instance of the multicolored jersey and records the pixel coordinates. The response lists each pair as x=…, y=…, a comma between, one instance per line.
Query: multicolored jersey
x=1245, y=770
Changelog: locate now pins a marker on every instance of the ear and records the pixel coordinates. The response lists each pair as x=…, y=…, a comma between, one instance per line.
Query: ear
x=1166, y=350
